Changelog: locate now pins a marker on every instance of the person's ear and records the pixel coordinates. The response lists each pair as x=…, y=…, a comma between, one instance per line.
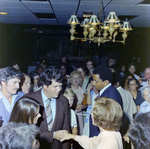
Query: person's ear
x=3, y=83
x=44, y=86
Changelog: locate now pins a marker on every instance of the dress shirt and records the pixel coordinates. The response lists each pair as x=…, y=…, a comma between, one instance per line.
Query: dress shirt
x=7, y=105
x=53, y=103
x=143, y=84
x=101, y=91
x=145, y=107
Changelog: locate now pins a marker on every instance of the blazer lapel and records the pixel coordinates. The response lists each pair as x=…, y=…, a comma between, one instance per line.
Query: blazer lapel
x=59, y=113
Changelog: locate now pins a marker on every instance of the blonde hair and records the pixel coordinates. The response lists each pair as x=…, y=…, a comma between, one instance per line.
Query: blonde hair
x=75, y=73
x=69, y=92
x=107, y=113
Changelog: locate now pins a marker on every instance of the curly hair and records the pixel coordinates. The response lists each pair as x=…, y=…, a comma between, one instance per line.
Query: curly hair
x=8, y=73
x=18, y=136
x=107, y=113
x=139, y=131
x=72, y=75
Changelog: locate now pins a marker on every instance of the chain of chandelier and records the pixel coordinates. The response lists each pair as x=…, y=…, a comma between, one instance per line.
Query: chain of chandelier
x=97, y=32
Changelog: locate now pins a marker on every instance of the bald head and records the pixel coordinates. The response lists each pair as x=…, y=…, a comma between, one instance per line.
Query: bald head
x=147, y=73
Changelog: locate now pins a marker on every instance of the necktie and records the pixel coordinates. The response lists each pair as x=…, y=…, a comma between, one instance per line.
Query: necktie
x=49, y=115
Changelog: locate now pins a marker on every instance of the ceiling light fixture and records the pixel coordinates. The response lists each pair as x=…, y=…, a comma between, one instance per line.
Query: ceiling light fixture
x=3, y=13
x=97, y=32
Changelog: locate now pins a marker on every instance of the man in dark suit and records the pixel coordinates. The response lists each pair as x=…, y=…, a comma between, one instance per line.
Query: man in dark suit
x=102, y=77
x=49, y=99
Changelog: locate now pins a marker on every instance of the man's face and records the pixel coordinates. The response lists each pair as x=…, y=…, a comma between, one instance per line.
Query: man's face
x=132, y=69
x=26, y=85
x=63, y=69
x=111, y=62
x=11, y=87
x=63, y=59
x=145, y=95
x=52, y=91
x=97, y=82
x=123, y=68
x=147, y=73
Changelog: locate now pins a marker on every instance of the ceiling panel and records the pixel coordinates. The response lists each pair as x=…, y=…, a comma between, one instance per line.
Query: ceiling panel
x=22, y=12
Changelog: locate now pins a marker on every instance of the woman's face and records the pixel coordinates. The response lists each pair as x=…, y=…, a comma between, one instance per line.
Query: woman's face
x=36, y=116
x=75, y=80
x=132, y=85
x=81, y=71
x=89, y=65
x=132, y=69
x=36, y=80
x=26, y=85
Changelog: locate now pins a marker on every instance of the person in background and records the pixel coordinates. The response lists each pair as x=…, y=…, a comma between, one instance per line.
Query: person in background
x=136, y=94
x=92, y=94
x=107, y=116
x=25, y=110
x=111, y=62
x=139, y=131
x=90, y=66
x=25, y=83
x=39, y=69
x=145, y=106
x=65, y=61
x=9, y=80
x=146, y=80
x=70, y=95
x=132, y=70
x=129, y=106
x=82, y=69
x=123, y=70
x=76, y=83
x=54, y=110
x=15, y=65
x=35, y=81
x=125, y=80
x=62, y=68
x=19, y=136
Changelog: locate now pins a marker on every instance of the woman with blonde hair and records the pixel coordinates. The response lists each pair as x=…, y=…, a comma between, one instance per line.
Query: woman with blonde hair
x=76, y=83
x=107, y=115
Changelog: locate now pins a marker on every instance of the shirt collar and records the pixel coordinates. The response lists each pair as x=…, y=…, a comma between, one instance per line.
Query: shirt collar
x=101, y=91
x=44, y=96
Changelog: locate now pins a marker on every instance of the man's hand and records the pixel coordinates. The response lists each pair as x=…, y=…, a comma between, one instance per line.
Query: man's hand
x=68, y=136
x=59, y=135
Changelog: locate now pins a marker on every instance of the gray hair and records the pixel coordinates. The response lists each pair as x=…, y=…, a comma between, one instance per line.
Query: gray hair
x=8, y=73
x=17, y=135
x=147, y=88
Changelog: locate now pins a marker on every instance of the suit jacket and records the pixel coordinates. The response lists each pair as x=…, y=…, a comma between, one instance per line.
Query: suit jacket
x=61, y=122
x=110, y=92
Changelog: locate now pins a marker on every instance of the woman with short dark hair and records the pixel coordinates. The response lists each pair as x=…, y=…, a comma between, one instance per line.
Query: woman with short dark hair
x=134, y=85
x=107, y=115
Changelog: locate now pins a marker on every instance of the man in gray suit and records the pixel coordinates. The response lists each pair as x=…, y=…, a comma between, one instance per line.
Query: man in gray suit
x=52, y=131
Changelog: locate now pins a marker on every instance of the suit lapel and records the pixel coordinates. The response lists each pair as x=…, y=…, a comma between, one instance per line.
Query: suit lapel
x=59, y=112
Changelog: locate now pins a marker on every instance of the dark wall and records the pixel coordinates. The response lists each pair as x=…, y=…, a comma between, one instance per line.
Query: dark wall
x=26, y=47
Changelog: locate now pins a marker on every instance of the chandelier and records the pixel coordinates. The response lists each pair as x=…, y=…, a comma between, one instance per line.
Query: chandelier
x=97, y=32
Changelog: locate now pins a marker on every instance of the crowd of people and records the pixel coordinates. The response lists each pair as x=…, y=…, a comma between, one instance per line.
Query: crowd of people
x=90, y=106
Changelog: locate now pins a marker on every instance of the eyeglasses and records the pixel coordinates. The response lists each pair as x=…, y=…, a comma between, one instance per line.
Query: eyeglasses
x=75, y=78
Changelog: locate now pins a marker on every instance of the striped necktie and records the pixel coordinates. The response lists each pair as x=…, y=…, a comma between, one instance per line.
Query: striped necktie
x=49, y=114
